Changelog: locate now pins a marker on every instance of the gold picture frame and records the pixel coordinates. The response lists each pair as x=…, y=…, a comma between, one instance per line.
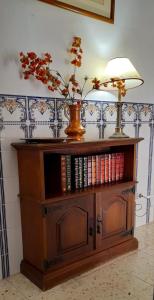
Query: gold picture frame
x=99, y=9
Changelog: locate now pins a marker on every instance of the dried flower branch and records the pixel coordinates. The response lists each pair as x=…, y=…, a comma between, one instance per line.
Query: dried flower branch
x=39, y=68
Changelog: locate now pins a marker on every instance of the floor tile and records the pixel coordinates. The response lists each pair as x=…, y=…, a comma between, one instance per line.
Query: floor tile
x=21, y=283
x=145, y=295
x=8, y=292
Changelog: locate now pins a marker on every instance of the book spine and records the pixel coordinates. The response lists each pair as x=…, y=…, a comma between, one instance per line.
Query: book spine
x=89, y=170
x=63, y=173
x=93, y=169
x=117, y=167
x=102, y=168
x=106, y=168
x=76, y=169
x=110, y=168
x=98, y=169
x=85, y=171
x=80, y=171
x=113, y=165
x=121, y=166
x=68, y=172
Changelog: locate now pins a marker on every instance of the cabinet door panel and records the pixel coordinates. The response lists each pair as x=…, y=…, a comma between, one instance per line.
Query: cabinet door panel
x=69, y=228
x=114, y=216
x=114, y=220
x=72, y=229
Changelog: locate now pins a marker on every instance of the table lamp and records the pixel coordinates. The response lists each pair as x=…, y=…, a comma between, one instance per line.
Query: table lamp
x=120, y=75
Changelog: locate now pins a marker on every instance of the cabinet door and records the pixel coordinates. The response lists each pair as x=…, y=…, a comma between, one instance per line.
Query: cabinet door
x=70, y=229
x=114, y=217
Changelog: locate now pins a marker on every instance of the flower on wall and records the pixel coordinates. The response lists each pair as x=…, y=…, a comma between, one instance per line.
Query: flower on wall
x=39, y=68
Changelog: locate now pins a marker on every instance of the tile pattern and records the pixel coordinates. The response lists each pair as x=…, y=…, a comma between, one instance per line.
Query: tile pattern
x=151, y=162
x=22, y=116
x=4, y=256
x=130, y=276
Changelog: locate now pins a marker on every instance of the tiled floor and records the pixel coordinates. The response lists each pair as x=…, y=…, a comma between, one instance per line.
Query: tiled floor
x=130, y=276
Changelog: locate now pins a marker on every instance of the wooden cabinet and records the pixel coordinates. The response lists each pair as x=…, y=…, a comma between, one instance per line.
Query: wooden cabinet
x=67, y=232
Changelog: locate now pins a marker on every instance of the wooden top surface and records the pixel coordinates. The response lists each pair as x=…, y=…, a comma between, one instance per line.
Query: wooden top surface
x=64, y=145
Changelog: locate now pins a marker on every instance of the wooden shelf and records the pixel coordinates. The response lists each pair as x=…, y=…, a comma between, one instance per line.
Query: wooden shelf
x=78, y=146
x=93, y=189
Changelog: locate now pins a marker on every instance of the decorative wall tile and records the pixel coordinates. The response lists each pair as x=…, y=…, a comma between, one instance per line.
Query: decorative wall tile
x=145, y=112
x=60, y=129
x=143, y=151
x=129, y=112
x=5, y=261
x=61, y=111
x=3, y=249
x=11, y=188
x=13, y=218
x=41, y=130
x=108, y=130
x=92, y=131
x=140, y=214
x=152, y=169
x=4, y=256
x=15, y=249
x=130, y=129
x=2, y=215
x=92, y=111
x=109, y=112
x=0, y=270
x=41, y=109
x=13, y=108
x=10, y=164
x=11, y=133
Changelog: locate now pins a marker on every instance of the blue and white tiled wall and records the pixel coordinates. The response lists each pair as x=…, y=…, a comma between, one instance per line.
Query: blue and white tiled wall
x=22, y=116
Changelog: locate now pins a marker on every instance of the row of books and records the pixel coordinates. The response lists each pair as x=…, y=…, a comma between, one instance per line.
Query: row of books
x=82, y=171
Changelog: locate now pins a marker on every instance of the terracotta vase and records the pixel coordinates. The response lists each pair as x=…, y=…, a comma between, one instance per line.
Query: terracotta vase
x=75, y=130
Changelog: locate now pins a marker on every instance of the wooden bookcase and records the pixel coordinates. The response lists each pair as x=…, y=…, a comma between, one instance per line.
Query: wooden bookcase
x=65, y=233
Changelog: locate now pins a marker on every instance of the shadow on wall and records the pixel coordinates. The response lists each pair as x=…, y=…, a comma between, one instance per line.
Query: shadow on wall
x=101, y=96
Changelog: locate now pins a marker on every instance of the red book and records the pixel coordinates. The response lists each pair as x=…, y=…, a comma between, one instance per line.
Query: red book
x=93, y=169
x=63, y=173
x=121, y=166
x=102, y=168
x=113, y=164
x=117, y=166
x=98, y=169
x=106, y=167
x=110, y=168
x=68, y=172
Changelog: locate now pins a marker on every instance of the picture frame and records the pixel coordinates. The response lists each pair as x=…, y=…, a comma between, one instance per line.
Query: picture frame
x=102, y=10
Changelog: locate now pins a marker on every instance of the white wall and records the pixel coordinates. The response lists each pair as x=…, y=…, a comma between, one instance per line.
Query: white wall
x=33, y=25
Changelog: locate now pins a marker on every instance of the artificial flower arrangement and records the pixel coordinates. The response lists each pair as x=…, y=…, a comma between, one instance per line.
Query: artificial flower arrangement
x=39, y=68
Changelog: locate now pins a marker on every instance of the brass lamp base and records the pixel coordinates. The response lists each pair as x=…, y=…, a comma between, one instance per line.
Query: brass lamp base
x=118, y=134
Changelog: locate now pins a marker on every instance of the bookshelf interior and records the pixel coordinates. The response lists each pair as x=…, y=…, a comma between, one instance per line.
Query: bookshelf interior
x=68, y=228
x=53, y=173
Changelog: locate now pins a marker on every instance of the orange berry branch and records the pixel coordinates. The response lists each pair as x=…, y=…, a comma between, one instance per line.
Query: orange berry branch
x=38, y=67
